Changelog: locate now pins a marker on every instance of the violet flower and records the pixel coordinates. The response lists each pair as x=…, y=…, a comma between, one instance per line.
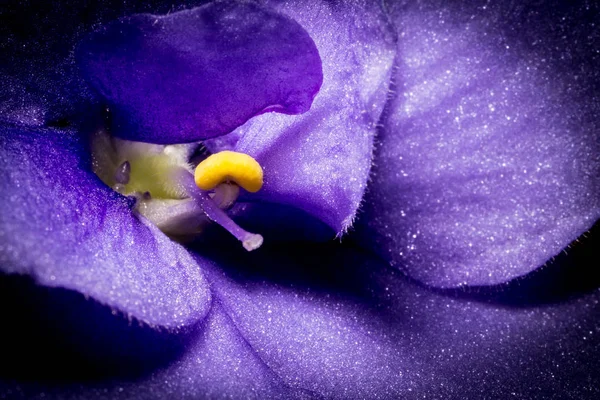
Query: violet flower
x=485, y=168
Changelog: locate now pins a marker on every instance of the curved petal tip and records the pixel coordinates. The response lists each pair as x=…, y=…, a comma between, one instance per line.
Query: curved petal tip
x=200, y=73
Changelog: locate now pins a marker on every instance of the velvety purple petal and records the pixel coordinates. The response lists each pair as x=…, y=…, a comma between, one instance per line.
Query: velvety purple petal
x=62, y=335
x=218, y=364
x=319, y=161
x=316, y=338
x=39, y=81
x=63, y=227
x=200, y=73
x=331, y=322
x=341, y=325
x=488, y=161
x=120, y=359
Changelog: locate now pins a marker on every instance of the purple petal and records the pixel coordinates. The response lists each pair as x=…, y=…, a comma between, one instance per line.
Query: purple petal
x=218, y=364
x=200, y=73
x=316, y=338
x=40, y=83
x=334, y=323
x=209, y=359
x=342, y=325
x=319, y=162
x=60, y=225
x=488, y=164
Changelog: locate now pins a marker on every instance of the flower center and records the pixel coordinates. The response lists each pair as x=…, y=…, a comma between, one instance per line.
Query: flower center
x=167, y=190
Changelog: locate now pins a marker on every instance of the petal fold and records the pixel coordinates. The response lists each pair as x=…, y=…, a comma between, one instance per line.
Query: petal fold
x=200, y=73
x=319, y=161
x=333, y=322
x=63, y=227
x=488, y=160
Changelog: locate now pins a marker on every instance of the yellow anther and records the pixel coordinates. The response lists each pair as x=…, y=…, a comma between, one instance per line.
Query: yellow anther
x=229, y=166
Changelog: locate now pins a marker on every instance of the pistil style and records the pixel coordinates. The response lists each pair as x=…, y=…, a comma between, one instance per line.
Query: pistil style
x=177, y=200
x=250, y=241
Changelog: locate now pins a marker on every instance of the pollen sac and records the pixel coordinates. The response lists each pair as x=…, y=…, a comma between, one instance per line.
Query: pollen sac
x=229, y=166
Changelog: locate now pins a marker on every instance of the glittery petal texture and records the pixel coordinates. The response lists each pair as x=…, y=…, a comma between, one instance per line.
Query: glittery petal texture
x=488, y=164
x=312, y=334
x=39, y=83
x=305, y=321
x=63, y=227
x=200, y=73
x=331, y=322
x=319, y=161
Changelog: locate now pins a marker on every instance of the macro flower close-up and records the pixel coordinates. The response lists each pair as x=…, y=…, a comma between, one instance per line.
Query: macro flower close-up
x=299, y=199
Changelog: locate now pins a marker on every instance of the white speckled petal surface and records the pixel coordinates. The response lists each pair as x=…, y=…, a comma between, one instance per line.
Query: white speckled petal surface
x=488, y=162
x=63, y=227
x=329, y=322
x=319, y=161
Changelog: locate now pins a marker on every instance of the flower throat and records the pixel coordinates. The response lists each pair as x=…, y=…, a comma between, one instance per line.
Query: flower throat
x=180, y=188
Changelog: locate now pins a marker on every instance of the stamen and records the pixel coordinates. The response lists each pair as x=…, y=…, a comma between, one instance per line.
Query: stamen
x=250, y=241
x=160, y=180
x=229, y=166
